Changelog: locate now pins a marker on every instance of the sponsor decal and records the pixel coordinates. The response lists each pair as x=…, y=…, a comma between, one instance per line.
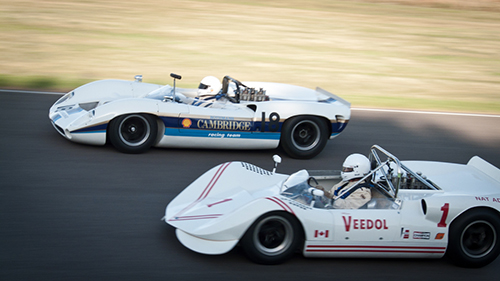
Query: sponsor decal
x=186, y=123
x=227, y=125
x=439, y=236
x=364, y=224
x=405, y=233
x=321, y=233
x=421, y=235
x=488, y=199
x=224, y=135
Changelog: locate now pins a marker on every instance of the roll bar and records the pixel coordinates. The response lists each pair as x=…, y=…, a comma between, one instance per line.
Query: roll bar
x=392, y=163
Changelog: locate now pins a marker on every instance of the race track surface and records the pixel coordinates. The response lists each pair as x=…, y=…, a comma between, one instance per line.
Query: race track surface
x=77, y=212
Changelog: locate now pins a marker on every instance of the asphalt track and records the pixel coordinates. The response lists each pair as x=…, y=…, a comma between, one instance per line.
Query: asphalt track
x=77, y=212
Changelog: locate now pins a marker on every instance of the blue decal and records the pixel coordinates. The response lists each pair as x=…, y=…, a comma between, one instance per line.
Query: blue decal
x=220, y=134
x=221, y=124
x=170, y=122
x=338, y=127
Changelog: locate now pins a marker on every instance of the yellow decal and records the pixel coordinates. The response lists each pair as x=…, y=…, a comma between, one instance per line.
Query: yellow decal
x=186, y=123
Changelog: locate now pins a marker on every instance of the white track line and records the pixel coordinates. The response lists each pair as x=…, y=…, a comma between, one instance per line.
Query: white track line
x=30, y=92
x=427, y=112
x=356, y=109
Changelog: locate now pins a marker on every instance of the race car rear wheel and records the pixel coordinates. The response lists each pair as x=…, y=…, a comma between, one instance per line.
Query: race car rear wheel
x=474, y=238
x=304, y=136
x=272, y=239
x=134, y=133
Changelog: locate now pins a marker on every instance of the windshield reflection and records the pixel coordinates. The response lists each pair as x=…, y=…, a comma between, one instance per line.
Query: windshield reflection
x=303, y=193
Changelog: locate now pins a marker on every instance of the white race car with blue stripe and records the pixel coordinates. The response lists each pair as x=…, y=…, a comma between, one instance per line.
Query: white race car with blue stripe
x=133, y=116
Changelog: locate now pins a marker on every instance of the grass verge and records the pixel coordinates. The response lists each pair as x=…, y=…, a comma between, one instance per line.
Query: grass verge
x=429, y=54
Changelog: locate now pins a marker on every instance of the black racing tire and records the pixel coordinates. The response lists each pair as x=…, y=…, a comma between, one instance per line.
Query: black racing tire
x=474, y=239
x=133, y=133
x=273, y=238
x=304, y=136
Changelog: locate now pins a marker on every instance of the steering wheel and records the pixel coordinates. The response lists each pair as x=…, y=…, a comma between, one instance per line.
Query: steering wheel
x=225, y=87
x=225, y=95
x=309, y=181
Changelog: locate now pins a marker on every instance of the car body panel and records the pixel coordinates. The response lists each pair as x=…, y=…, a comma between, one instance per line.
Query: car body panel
x=84, y=114
x=222, y=204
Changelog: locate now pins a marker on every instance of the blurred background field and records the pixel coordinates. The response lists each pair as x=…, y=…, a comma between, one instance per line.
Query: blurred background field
x=411, y=54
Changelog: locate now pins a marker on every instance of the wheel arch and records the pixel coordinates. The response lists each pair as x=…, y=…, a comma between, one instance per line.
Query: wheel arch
x=280, y=212
x=475, y=209
x=433, y=208
x=273, y=238
x=323, y=118
x=472, y=246
x=305, y=136
x=160, y=129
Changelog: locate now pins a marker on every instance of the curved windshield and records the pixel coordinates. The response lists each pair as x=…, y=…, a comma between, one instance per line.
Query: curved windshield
x=160, y=93
x=305, y=194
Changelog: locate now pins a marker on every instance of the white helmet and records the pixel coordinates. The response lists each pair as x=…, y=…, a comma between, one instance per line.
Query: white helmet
x=355, y=166
x=209, y=86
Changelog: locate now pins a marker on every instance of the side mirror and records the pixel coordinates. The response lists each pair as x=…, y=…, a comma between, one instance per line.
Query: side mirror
x=277, y=160
x=175, y=76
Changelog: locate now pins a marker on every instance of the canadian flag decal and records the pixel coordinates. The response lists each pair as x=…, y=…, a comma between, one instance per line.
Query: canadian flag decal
x=321, y=233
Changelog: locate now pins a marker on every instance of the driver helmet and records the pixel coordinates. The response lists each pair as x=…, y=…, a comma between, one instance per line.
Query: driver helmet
x=355, y=166
x=209, y=86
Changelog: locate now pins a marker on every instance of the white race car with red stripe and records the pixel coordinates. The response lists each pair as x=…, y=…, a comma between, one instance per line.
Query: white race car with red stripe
x=418, y=209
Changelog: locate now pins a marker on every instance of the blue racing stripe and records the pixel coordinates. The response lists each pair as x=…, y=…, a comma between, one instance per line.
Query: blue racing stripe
x=220, y=134
x=92, y=129
x=89, y=132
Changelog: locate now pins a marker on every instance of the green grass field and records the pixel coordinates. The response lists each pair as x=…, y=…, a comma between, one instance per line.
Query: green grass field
x=429, y=54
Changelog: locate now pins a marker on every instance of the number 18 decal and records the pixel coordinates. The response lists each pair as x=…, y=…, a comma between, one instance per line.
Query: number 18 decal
x=274, y=122
x=445, y=209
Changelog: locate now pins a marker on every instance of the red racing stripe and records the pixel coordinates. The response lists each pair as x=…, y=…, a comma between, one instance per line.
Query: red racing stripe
x=374, y=249
x=216, y=177
x=281, y=203
x=200, y=217
x=206, y=190
x=219, y=202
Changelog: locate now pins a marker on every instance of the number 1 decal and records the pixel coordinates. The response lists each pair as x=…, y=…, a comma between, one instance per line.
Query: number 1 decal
x=445, y=209
x=274, y=122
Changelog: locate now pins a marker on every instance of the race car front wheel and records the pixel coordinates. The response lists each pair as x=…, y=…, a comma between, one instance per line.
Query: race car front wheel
x=134, y=133
x=474, y=238
x=272, y=239
x=304, y=136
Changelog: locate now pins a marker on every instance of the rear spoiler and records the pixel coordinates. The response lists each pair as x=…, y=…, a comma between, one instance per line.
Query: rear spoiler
x=485, y=167
x=335, y=97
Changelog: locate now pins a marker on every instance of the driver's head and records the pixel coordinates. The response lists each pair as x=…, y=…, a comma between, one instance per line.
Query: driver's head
x=209, y=86
x=355, y=166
